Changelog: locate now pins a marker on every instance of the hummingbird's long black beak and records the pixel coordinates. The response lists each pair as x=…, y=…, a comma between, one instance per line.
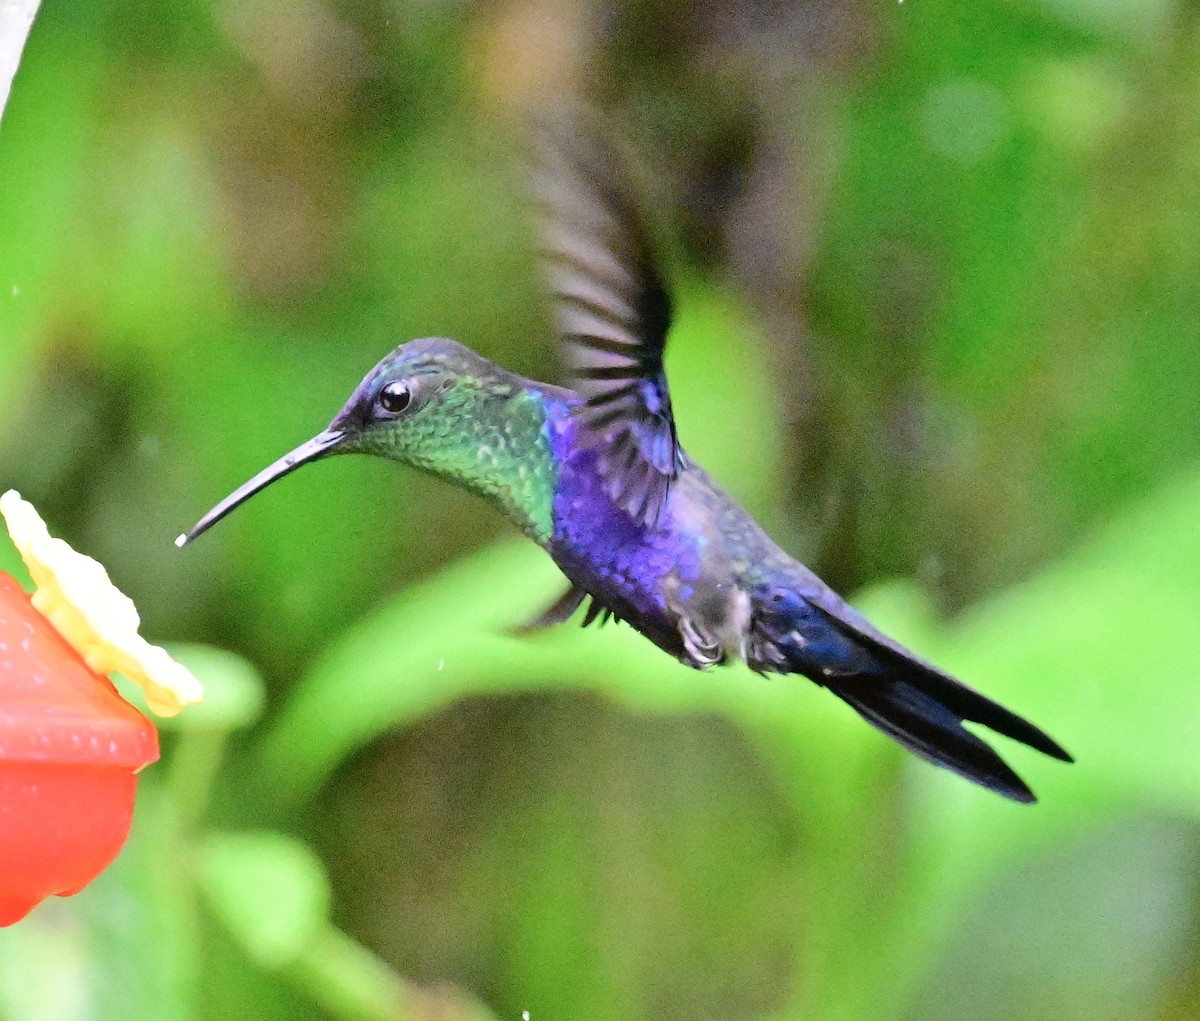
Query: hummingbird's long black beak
x=319, y=446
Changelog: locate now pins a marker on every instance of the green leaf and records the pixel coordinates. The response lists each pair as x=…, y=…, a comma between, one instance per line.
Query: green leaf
x=270, y=892
x=233, y=690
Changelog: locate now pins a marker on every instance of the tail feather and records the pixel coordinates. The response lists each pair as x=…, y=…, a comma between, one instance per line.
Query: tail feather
x=818, y=635
x=932, y=730
x=970, y=705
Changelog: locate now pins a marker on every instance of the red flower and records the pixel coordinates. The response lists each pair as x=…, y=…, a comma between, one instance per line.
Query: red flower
x=70, y=749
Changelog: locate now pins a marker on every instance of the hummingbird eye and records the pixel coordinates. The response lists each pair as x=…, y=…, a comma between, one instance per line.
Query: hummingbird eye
x=395, y=397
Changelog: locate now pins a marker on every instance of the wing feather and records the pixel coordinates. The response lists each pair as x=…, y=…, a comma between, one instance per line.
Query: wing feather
x=612, y=312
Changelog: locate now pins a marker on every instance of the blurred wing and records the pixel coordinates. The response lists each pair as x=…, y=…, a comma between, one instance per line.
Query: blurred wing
x=612, y=312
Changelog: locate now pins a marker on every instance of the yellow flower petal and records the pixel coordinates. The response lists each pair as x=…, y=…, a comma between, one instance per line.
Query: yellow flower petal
x=75, y=594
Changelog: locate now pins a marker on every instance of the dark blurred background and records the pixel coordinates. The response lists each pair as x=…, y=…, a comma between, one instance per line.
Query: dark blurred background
x=938, y=271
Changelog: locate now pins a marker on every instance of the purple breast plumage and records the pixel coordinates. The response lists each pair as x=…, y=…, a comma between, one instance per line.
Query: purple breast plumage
x=633, y=567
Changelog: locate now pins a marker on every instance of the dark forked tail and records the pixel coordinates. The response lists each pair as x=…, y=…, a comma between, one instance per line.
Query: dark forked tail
x=925, y=711
x=908, y=699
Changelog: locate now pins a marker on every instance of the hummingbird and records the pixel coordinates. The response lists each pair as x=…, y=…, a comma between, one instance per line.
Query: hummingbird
x=594, y=473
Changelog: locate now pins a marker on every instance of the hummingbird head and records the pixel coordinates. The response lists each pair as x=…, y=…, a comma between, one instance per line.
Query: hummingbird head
x=425, y=404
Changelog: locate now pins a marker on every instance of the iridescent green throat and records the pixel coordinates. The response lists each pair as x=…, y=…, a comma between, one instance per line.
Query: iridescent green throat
x=490, y=438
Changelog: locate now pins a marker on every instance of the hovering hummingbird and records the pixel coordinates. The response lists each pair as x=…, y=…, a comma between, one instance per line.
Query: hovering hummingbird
x=596, y=476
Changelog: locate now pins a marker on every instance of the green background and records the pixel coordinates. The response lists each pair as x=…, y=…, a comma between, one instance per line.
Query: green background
x=938, y=270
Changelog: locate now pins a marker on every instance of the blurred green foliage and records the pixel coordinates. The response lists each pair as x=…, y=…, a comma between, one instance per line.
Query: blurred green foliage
x=939, y=286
